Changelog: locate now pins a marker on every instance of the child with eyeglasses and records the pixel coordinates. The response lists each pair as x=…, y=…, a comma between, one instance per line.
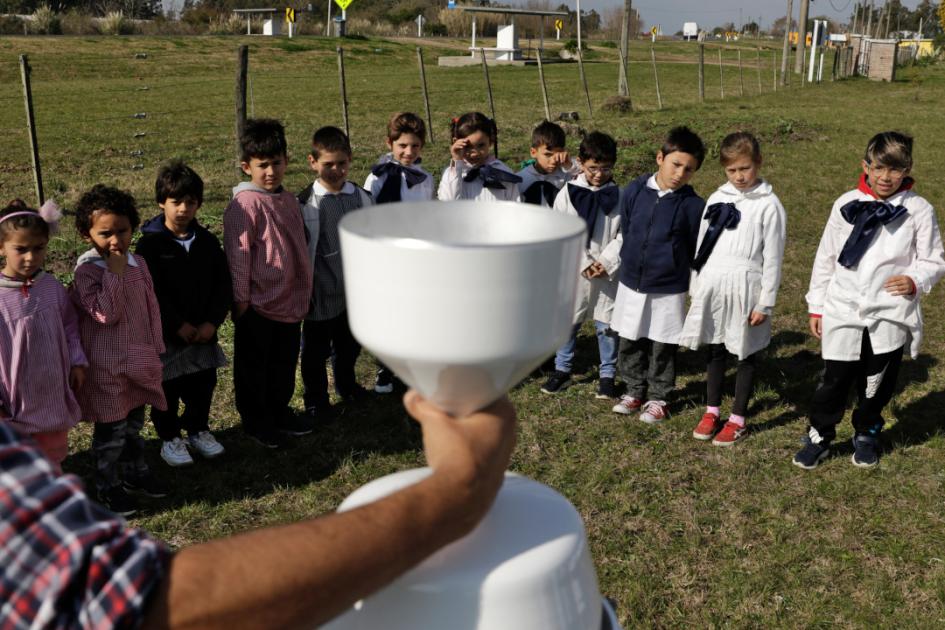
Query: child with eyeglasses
x=880, y=251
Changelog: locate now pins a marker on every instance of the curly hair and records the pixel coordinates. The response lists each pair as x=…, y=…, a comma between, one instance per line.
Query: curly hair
x=106, y=199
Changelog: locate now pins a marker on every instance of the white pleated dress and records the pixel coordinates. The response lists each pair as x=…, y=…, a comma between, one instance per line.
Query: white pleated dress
x=742, y=274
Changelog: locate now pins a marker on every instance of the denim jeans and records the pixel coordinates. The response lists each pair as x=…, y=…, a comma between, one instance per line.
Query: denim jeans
x=606, y=345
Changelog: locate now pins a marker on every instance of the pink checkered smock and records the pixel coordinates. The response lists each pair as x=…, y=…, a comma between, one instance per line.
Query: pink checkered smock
x=39, y=344
x=120, y=326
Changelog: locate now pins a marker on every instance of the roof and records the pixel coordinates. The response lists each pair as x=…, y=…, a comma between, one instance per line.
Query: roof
x=512, y=11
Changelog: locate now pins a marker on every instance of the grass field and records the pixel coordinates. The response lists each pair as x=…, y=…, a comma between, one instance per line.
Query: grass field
x=682, y=533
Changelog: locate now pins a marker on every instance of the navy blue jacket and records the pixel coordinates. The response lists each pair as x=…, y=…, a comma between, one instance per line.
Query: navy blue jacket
x=659, y=237
x=192, y=287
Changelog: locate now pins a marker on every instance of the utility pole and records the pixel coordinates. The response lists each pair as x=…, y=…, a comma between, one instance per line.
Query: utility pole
x=801, y=37
x=856, y=15
x=623, y=89
x=869, y=21
x=579, y=24
x=785, y=53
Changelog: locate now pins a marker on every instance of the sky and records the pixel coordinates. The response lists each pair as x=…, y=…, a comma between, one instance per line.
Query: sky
x=670, y=14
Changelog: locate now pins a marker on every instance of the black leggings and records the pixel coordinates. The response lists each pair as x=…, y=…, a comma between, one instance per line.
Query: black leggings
x=715, y=377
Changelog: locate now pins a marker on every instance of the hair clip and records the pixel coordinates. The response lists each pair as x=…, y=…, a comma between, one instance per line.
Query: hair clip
x=51, y=213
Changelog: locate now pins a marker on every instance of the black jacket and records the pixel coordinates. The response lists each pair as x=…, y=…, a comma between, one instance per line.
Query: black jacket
x=659, y=237
x=192, y=287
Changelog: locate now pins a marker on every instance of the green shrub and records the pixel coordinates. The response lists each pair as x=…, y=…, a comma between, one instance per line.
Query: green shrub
x=46, y=21
x=115, y=23
x=12, y=25
x=76, y=23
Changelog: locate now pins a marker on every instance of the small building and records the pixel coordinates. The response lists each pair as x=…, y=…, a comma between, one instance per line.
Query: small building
x=690, y=31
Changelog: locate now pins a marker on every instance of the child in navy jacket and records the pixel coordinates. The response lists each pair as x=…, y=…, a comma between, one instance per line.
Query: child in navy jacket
x=659, y=219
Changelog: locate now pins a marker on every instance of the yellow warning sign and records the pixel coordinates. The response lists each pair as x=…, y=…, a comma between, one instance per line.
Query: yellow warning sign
x=290, y=15
x=654, y=31
x=344, y=4
x=559, y=24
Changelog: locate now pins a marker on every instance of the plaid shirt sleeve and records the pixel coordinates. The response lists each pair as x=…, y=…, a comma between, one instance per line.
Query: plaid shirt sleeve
x=66, y=562
x=239, y=232
x=99, y=293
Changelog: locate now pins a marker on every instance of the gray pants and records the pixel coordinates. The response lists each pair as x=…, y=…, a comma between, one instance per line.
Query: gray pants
x=648, y=368
x=118, y=449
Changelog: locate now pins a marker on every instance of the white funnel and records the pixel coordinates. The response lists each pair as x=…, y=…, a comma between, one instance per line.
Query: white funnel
x=462, y=299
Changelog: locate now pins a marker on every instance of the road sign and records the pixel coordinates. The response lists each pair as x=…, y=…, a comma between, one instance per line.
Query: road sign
x=290, y=15
x=559, y=24
x=344, y=4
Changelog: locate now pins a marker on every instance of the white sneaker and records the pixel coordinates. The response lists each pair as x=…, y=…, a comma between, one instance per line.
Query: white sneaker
x=627, y=405
x=175, y=453
x=654, y=411
x=207, y=445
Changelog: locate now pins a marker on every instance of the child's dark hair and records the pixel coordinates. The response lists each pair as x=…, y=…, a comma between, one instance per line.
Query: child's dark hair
x=262, y=138
x=890, y=148
x=739, y=144
x=548, y=134
x=684, y=140
x=406, y=122
x=108, y=200
x=599, y=147
x=470, y=123
x=330, y=139
x=32, y=222
x=176, y=180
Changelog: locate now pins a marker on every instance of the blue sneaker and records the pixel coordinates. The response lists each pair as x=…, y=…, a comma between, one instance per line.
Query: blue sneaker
x=812, y=453
x=865, y=450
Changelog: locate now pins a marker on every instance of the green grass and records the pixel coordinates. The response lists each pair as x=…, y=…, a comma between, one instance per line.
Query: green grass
x=682, y=533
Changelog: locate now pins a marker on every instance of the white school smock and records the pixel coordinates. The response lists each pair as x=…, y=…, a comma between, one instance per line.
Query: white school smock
x=851, y=300
x=558, y=178
x=452, y=186
x=420, y=192
x=595, y=297
x=655, y=316
x=742, y=274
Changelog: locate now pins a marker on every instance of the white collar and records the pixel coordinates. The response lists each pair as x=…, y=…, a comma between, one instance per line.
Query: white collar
x=321, y=191
x=651, y=184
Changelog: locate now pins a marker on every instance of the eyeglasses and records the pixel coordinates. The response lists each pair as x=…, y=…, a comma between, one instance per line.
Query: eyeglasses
x=890, y=171
x=598, y=170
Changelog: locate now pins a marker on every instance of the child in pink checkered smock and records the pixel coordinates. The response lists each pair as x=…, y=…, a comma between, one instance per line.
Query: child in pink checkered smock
x=120, y=324
x=41, y=357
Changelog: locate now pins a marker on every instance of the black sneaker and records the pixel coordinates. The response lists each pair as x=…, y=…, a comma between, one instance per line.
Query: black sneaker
x=145, y=483
x=118, y=501
x=296, y=424
x=811, y=454
x=266, y=438
x=354, y=394
x=865, y=450
x=606, y=389
x=556, y=382
x=385, y=382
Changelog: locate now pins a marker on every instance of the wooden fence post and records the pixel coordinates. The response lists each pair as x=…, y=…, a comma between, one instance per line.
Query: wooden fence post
x=587, y=95
x=741, y=75
x=242, y=66
x=721, y=77
x=626, y=77
x=774, y=69
x=656, y=76
x=344, y=91
x=758, y=68
x=544, y=89
x=485, y=73
x=31, y=127
x=426, y=96
x=701, y=72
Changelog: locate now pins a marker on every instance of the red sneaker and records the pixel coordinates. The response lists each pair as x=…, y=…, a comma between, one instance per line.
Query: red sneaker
x=707, y=427
x=729, y=434
x=654, y=411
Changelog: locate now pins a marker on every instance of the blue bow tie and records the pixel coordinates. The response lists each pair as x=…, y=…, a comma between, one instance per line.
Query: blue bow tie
x=491, y=176
x=587, y=202
x=721, y=216
x=866, y=218
x=390, y=189
x=540, y=189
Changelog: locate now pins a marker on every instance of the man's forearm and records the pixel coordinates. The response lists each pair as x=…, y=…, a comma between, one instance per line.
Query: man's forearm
x=303, y=574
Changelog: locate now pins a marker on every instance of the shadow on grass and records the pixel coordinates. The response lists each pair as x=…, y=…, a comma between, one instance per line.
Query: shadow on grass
x=376, y=426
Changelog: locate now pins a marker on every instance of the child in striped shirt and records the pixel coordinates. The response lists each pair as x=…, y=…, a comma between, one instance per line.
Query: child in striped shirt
x=120, y=326
x=326, y=333
x=42, y=358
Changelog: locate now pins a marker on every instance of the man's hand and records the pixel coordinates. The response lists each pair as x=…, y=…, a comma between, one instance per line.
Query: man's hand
x=76, y=377
x=469, y=455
